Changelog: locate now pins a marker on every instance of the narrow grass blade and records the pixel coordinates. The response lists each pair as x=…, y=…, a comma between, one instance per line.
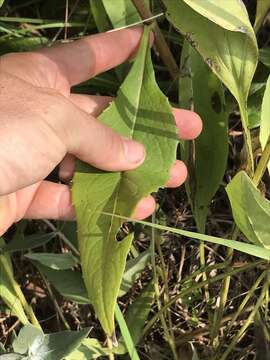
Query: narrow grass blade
x=126, y=334
x=250, y=249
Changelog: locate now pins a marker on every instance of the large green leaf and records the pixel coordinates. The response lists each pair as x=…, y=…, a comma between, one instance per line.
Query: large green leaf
x=210, y=150
x=265, y=118
x=140, y=112
x=251, y=211
x=221, y=32
x=262, y=9
x=9, y=287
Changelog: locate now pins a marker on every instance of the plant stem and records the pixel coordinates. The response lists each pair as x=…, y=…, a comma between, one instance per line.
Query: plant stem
x=58, y=309
x=110, y=347
x=247, y=137
x=262, y=165
x=160, y=42
x=61, y=236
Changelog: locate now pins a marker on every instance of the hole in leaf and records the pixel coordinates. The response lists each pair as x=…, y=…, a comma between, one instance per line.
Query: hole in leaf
x=216, y=102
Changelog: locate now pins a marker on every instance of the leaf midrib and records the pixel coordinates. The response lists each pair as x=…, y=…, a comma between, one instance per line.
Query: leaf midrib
x=118, y=187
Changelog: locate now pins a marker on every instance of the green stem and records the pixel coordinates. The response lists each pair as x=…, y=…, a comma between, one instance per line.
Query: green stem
x=247, y=137
x=61, y=236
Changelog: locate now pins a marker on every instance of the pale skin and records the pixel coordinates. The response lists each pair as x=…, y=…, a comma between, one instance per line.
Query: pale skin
x=42, y=125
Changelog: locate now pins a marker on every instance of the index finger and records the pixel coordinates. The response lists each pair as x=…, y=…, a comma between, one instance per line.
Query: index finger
x=82, y=59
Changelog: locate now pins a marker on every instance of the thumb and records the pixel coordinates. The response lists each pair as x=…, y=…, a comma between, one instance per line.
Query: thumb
x=95, y=143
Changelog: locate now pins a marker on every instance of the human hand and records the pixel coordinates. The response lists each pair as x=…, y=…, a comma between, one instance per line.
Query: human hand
x=42, y=124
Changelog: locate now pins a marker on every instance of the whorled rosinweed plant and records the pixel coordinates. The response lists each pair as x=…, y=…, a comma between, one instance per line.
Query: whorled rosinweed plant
x=219, y=57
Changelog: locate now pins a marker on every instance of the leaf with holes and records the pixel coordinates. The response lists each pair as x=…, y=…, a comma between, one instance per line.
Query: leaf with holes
x=141, y=112
x=222, y=34
x=209, y=153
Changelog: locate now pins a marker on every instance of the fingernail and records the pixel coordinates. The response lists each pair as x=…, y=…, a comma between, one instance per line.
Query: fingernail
x=134, y=151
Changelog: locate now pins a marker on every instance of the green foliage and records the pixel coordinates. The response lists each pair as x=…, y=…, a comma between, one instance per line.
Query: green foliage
x=254, y=104
x=217, y=44
x=67, y=282
x=264, y=56
x=232, y=39
x=70, y=283
x=126, y=335
x=121, y=15
x=99, y=14
x=9, y=288
x=54, y=261
x=89, y=349
x=262, y=9
x=34, y=344
x=138, y=312
x=254, y=250
x=265, y=116
x=251, y=211
x=22, y=44
x=140, y=111
x=210, y=150
x=21, y=242
x=132, y=271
